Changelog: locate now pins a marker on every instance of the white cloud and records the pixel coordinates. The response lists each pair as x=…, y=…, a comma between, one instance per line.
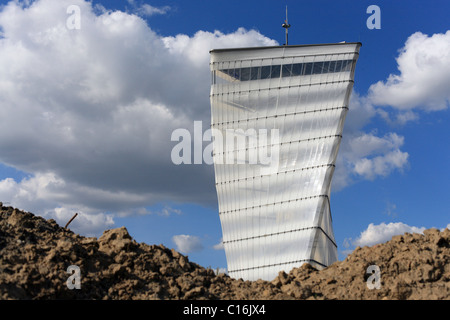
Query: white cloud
x=146, y=9
x=43, y=192
x=167, y=211
x=368, y=156
x=89, y=113
x=424, y=79
x=399, y=118
x=90, y=225
x=368, y=143
x=383, y=232
x=391, y=209
x=219, y=246
x=377, y=156
x=187, y=243
x=361, y=113
x=196, y=49
x=381, y=165
x=221, y=270
x=149, y=10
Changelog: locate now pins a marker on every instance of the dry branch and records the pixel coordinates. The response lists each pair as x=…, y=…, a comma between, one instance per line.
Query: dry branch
x=67, y=224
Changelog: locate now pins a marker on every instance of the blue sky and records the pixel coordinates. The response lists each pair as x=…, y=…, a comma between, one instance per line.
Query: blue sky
x=86, y=113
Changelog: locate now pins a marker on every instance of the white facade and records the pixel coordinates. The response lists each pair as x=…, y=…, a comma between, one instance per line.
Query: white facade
x=276, y=215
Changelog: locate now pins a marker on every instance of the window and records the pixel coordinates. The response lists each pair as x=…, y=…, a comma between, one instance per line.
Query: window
x=265, y=72
x=289, y=70
x=338, y=66
x=255, y=73
x=317, y=68
x=275, y=72
x=297, y=69
x=346, y=65
x=286, y=71
x=236, y=73
x=308, y=68
x=245, y=74
x=326, y=67
x=332, y=66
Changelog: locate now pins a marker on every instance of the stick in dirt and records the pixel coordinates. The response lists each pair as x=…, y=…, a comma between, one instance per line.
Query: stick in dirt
x=71, y=220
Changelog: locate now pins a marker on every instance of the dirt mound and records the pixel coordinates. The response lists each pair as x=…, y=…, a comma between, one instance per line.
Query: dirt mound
x=36, y=254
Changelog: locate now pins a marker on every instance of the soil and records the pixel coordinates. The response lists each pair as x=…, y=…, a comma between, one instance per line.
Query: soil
x=35, y=255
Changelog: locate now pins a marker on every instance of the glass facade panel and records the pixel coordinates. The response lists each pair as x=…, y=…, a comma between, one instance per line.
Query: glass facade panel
x=317, y=67
x=326, y=67
x=265, y=72
x=338, y=66
x=308, y=68
x=245, y=74
x=255, y=73
x=297, y=69
x=332, y=66
x=286, y=71
x=275, y=71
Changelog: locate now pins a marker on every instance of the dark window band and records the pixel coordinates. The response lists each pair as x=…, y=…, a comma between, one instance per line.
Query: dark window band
x=288, y=70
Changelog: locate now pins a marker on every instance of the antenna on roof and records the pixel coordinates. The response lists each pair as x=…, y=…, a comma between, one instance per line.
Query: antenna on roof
x=286, y=26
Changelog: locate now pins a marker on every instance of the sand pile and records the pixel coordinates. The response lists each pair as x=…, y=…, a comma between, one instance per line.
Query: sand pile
x=35, y=255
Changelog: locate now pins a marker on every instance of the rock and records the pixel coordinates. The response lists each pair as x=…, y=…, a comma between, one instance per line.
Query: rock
x=115, y=241
x=20, y=219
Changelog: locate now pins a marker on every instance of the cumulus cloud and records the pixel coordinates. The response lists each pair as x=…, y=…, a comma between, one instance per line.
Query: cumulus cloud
x=187, y=243
x=90, y=225
x=43, y=193
x=219, y=246
x=193, y=48
x=384, y=232
x=366, y=155
x=144, y=9
x=386, y=155
x=167, y=211
x=89, y=112
x=424, y=75
x=380, y=158
x=398, y=118
x=149, y=10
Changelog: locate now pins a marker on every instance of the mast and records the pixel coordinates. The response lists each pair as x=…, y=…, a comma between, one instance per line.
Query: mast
x=286, y=26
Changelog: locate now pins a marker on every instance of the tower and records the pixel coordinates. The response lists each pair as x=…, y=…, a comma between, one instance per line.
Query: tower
x=276, y=216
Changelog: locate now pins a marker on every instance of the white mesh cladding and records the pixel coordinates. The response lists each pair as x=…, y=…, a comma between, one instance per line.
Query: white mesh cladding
x=288, y=101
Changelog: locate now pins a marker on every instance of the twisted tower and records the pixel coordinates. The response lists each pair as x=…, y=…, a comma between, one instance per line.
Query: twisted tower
x=276, y=216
